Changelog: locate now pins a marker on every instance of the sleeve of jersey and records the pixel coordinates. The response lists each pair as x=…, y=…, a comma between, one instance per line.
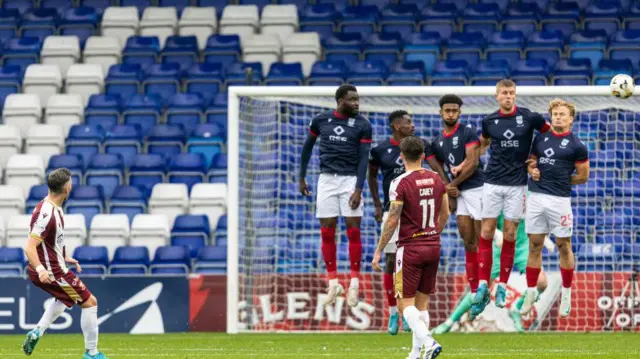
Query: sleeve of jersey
x=428, y=151
x=395, y=192
x=471, y=139
x=313, y=127
x=582, y=154
x=40, y=225
x=540, y=123
x=484, y=133
x=367, y=134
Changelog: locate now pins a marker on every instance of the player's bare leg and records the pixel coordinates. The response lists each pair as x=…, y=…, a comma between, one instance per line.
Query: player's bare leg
x=534, y=266
x=355, y=258
x=414, y=310
x=89, y=325
x=507, y=255
x=485, y=261
x=328, y=232
x=566, y=271
x=53, y=311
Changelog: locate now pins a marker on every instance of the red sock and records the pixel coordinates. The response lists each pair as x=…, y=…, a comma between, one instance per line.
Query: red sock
x=329, y=251
x=485, y=259
x=355, y=251
x=532, y=275
x=388, y=289
x=471, y=263
x=567, y=277
x=506, y=260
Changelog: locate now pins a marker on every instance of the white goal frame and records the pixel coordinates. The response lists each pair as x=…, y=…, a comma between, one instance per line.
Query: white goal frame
x=234, y=94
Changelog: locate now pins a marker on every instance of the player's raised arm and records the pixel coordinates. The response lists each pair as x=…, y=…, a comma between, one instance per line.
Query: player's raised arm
x=307, y=149
x=372, y=179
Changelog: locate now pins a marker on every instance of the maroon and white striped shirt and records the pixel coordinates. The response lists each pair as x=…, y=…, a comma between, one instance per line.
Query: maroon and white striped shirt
x=47, y=226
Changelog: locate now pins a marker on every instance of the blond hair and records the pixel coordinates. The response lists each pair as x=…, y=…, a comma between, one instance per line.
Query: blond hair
x=559, y=102
x=505, y=83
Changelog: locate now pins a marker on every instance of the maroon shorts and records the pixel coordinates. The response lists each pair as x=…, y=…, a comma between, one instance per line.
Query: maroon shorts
x=416, y=269
x=67, y=289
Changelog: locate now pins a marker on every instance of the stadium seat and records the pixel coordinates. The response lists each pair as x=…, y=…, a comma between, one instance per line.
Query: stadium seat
x=36, y=195
x=103, y=110
x=106, y=171
x=162, y=80
x=10, y=143
x=81, y=23
x=218, y=168
x=237, y=73
x=171, y=260
x=12, y=202
x=200, y=22
x=185, y=109
x=208, y=140
x=75, y=231
x=43, y=81
x=301, y=47
x=22, y=111
x=423, y=47
x=123, y=80
x=109, y=230
x=224, y=49
x=45, y=141
x=24, y=171
x=120, y=22
x=204, y=79
x=318, y=19
x=242, y=20
x=440, y=18
x=86, y=200
x=39, y=22
x=22, y=51
x=161, y=22
x=211, y=260
x=125, y=140
x=62, y=51
x=18, y=227
x=151, y=231
x=170, y=200
x=146, y=171
x=595, y=258
x=73, y=163
x=263, y=48
x=191, y=231
x=130, y=260
x=93, y=259
x=10, y=80
x=64, y=110
x=84, y=141
x=342, y=47
x=209, y=199
x=280, y=20
x=102, y=50
x=187, y=168
x=11, y=262
x=85, y=79
x=182, y=50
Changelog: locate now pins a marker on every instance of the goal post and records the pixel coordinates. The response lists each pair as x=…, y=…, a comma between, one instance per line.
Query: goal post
x=275, y=274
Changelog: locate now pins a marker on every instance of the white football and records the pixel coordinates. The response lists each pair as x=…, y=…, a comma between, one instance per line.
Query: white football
x=622, y=86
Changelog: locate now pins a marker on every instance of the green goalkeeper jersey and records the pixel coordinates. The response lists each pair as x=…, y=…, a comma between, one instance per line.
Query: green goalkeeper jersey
x=522, y=250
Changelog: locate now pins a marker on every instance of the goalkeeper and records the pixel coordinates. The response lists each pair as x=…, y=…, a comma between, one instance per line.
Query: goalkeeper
x=521, y=258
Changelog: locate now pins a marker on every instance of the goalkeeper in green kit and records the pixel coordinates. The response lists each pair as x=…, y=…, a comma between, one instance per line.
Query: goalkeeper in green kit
x=520, y=262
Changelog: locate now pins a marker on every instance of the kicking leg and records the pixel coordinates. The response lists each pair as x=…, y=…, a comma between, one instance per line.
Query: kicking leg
x=566, y=271
x=53, y=311
x=328, y=232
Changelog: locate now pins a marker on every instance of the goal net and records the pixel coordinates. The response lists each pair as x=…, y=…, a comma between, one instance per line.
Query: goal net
x=276, y=275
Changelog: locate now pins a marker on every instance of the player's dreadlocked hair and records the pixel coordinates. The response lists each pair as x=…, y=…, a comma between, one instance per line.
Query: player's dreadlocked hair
x=397, y=114
x=58, y=179
x=343, y=90
x=412, y=148
x=450, y=99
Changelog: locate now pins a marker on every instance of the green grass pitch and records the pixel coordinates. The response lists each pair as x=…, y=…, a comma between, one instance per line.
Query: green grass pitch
x=351, y=346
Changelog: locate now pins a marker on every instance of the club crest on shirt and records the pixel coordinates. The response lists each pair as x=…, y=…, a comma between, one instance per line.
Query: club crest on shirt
x=455, y=142
x=352, y=121
x=441, y=142
x=564, y=143
x=546, y=139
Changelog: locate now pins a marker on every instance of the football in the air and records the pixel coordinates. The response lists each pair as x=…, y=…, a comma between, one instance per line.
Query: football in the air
x=622, y=86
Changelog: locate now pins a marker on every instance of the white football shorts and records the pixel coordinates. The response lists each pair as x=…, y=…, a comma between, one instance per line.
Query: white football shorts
x=391, y=246
x=549, y=214
x=470, y=203
x=333, y=196
x=510, y=200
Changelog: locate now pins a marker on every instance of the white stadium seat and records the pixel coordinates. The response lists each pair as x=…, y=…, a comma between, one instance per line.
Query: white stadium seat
x=62, y=51
x=18, y=228
x=281, y=20
x=151, y=231
x=22, y=111
x=45, y=141
x=86, y=80
x=201, y=22
x=209, y=199
x=102, y=50
x=11, y=202
x=170, y=199
x=25, y=171
x=120, y=22
x=42, y=80
x=242, y=20
x=159, y=21
x=64, y=110
x=264, y=49
x=109, y=230
x=303, y=47
x=75, y=231
x=10, y=143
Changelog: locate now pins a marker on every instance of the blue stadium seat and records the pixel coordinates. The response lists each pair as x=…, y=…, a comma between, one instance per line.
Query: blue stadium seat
x=521, y=16
x=440, y=17
x=166, y=140
x=607, y=69
x=326, y=73
x=72, y=162
x=125, y=140
x=187, y=168
x=81, y=22
x=208, y=140
x=130, y=260
x=450, y=72
x=591, y=45
x=319, y=18
x=10, y=80
x=186, y=109
x=204, y=79
x=237, y=72
x=163, y=80
x=561, y=16
x=400, y=18
x=85, y=141
x=373, y=71
x=505, y=45
x=39, y=22
x=359, y=19
x=546, y=45
x=20, y=5
x=343, y=46
x=572, y=72
x=602, y=16
x=630, y=258
x=632, y=21
x=624, y=46
x=211, y=260
x=191, y=231
x=531, y=72
x=223, y=49
x=171, y=260
x=86, y=200
x=423, y=47
x=182, y=50
x=21, y=51
x=93, y=259
x=147, y=171
x=142, y=50
x=407, y=73
x=129, y=200
x=106, y=171
x=9, y=23
x=11, y=262
x=144, y=111
x=595, y=258
x=103, y=110
x=178, y=4
x=281, y=74
x=483, y=18
x=218, y=169
x=36, y=195
x=220, y=234
x=123, y=80
x=139, y=4
x=467, y=46
x=98, y=5
x=383, y=46
x=490, y=72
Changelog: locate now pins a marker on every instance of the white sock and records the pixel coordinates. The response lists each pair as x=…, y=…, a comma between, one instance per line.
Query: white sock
x=424, y=315
x=89, y=324
x=50, y=315
x=333, y=282
x=417, y=325
x=566, y=291
x=393, y=310
x=354, y=283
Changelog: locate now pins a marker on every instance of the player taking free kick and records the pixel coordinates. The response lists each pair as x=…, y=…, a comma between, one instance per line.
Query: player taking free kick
x=555, y=156
x=420, y=206
x=48, y=270
x=344, y=153
x=509, y=131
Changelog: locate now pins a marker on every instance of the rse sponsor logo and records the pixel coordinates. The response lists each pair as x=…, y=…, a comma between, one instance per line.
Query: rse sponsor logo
x=338, y=138
x=547, y=161
x=509, y=143
x=399, y=170
x=424, y=182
